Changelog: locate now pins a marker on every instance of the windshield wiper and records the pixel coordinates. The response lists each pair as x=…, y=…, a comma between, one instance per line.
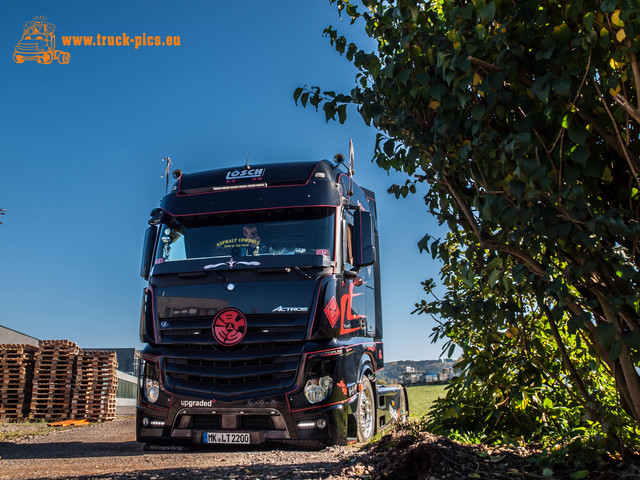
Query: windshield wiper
x=303, y=274
x=284, y=270
x=203, y=274
x=219, y=276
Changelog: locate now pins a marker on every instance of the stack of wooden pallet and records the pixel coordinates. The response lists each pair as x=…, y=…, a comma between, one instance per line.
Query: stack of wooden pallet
x=96, y=383
x=16, y=375
x=57, y=381
x=53, y=380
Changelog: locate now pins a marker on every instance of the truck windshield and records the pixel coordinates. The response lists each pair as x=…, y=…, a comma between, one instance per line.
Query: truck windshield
x=290, y=231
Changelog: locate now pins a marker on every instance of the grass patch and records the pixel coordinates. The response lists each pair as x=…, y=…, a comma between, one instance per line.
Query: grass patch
x=421, y=397
x=11, y=431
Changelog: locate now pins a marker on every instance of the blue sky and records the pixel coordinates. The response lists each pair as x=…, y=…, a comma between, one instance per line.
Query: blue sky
x=81, y=148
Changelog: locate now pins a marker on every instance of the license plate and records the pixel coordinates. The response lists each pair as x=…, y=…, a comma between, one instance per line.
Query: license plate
x=228, y=438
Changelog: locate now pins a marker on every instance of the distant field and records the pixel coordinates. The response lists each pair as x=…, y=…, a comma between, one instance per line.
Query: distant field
x=421, y=397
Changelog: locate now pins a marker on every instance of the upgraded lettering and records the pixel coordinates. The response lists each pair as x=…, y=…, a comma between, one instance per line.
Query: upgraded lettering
x=196, y=403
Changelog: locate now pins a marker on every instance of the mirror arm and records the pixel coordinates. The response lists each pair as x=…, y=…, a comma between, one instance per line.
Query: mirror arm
x=351, y=273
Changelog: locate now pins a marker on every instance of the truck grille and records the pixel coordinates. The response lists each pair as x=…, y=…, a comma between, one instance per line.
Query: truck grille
x=260, y=329
x=266, y=361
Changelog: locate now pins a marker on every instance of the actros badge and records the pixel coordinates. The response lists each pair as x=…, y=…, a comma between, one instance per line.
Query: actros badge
x=290, y=309
x=229, y=326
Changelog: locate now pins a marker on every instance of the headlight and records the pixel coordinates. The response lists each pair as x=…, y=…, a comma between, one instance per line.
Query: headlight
x=149, y=380
x=152, y=390
x=317, y=389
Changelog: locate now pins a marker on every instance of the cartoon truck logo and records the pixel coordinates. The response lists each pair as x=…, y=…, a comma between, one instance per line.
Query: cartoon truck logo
x=38, y=43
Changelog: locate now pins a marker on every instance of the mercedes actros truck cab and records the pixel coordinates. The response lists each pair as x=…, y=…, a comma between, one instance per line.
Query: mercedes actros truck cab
x=262, y=316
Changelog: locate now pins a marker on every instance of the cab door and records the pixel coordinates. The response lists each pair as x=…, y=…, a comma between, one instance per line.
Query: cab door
x=357, y=304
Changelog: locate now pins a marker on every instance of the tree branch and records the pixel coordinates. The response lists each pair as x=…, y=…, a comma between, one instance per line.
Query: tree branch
x=615, y=126
x=524, y=257
x=633, y=113
x=568, y=364
x=490, y=67
x=635, y=69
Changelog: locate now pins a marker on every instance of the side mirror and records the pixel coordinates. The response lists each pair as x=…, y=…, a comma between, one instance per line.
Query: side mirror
x=147, y=251
x=364, y=252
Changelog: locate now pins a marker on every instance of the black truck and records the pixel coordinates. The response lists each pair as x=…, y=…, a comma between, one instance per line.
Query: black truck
x=262, y=314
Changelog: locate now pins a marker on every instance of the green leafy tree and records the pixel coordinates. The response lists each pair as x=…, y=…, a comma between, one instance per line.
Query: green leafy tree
x=522, y=120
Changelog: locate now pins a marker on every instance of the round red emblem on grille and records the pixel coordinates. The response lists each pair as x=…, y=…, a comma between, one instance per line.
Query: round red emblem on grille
x=229, y=326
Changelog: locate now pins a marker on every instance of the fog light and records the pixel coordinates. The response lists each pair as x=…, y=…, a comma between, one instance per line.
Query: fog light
x=317, y=389
x=145, y=422
x=321, y=423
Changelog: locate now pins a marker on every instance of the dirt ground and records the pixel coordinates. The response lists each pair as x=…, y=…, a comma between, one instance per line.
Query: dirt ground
x=109, y=451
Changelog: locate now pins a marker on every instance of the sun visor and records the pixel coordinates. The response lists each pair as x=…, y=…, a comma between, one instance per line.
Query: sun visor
x=264, y=187
x=247, y=177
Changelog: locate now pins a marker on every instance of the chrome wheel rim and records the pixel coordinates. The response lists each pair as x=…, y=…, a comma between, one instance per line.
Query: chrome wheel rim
x=366, y=413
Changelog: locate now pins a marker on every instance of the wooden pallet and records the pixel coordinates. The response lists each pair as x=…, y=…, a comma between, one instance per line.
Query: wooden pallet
x=57, y=381
x=13, y=395
x=58, y=344
x=101, y=416
x=17, y=348
x=60, y=413
x=96, y=383
x=17, y=363
x=52, y=388
x=4, y=417
x=92, y=412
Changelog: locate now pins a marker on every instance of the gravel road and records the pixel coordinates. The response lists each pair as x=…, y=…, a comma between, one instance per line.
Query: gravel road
x=109, y=451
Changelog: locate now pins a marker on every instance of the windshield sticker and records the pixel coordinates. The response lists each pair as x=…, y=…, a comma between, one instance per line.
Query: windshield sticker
x=252, y=173
x=238, y=243
x=231, y=263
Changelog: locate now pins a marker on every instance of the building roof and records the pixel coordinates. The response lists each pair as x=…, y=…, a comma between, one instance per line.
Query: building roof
x=11, y=336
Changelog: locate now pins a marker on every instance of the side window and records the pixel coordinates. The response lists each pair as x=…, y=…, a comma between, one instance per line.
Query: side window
x=171, y=246
x=348, y=240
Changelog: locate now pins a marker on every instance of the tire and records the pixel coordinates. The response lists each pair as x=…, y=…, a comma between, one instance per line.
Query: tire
x=403, y=412
x=18, y=58
x=366, y=412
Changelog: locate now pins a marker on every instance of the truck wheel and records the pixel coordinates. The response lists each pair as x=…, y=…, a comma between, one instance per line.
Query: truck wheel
x=63, y=58
x=366, y=412
x=403, y=412
x=18, y=58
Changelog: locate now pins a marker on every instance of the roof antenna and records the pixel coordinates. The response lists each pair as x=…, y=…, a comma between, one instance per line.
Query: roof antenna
x=247, y=167
x=166, y=173
x=352, y=170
